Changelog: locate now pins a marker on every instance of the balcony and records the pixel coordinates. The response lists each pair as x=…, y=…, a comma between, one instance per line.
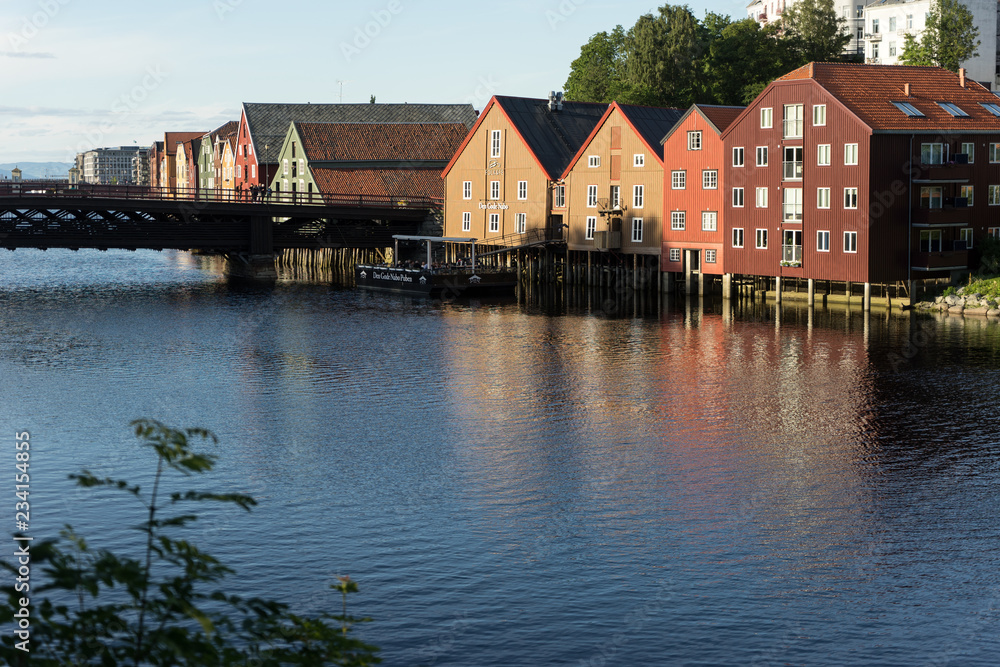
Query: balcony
x=943, y=260
x=873, y=36
x=872, y=61
x=953, y=171
x=791, y=255
x=607, y=240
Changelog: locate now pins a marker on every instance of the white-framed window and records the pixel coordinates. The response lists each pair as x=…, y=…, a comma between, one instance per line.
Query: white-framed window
x=710, y=256
x=930, y=196
x=791, y=205
x=822, y=197
x=738, y=156
x=993, y=232
x=909, y=21
x=819, y=115
x=591, y=227
x=791, y=164
x=494, y=222
x=616, y=196
x=678, y=179
x=591, y=196
x=593, y=160
x=636, y=230
x=737, y=237
x=761, y=239
x=892, y=24
x=766, y=118
x=850, y=241
x=253, y=170
x=495, y=136
x=466, y=221
x=520, y=222
x=969, y=149
x=965, y=235
x=967, y=192
x=678, y=220
x=892, y=48
x=762, y=156
x=709, y=221
x=738, y=197
x=638, y=194
x=709, y=179
x=675, y=254
x=466, y=189
x=761, y=197
x=284, y=167
x=560, y=197
x=823, y=155
x=850, y=197
x=494, y=190
x=639, y=160
x=694, y=140
x=792, y=121
x=850, y=154
x=993, y=192
x=823, y=241
x=933, y=153
x=522, y=190
x=994, y=153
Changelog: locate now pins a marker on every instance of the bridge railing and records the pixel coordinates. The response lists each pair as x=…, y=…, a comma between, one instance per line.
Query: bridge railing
x=34, y=189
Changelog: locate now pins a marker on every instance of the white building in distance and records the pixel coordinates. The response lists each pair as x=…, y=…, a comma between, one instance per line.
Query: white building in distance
x=852, y=11
x=108, y=166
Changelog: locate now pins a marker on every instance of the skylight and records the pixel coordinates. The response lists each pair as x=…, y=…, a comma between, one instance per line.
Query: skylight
x=909, y=109
x=992, y=108
x=953, y=109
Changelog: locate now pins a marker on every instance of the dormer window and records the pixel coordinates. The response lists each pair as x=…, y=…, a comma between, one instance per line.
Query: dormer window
x=992, y=108
x=909, y=109
x=953, y=109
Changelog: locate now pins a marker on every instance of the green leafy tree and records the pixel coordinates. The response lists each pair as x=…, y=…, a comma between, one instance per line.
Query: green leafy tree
x=949, y=38
x=814, y=32
x=742, y=60
x=108, y=609
x=597, y=75
x=663, y=58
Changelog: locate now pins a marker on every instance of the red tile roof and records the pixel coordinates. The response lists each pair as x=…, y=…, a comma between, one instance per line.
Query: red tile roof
x=721, y=117
x=869, y=90
x=380, y=182
x=353, y=142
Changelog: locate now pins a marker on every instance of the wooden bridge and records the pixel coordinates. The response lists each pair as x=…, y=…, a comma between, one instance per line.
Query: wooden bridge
x=42, y=214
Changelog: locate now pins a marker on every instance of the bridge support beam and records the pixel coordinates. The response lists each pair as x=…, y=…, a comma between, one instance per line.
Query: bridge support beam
x=251, y=267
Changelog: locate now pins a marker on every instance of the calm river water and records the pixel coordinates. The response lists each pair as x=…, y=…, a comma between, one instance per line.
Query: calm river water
x=603, y=483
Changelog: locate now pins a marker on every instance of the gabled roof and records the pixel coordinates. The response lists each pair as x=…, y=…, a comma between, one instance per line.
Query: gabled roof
x=171, y=139
x=268, y=123
x=224, y=130
x=553, y=137
x=362, y=142
x=717, y=117
x=868, y=91
x=379, y=182
x=649, y=123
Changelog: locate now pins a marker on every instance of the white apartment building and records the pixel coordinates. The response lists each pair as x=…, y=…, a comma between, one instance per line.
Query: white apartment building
x=107, y=166
x=887, y=22
x=769, y=11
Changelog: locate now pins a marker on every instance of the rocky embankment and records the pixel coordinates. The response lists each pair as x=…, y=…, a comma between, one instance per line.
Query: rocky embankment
x=962, y=304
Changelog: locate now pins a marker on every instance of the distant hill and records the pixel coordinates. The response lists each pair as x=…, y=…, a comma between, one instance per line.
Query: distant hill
x=32, y=170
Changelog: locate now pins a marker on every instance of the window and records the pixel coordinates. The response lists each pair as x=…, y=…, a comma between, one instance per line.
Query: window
x=953, y=109
x=965, y=192
x=560, y=196
x=677, y=220
x=850, y=154
x=738, y=197
x=991, y=107
x=639, y=160
x=875, y=51
x=616, y=196
x=819, y=115
x=466, y=189
x=495, y=143
x=930, y=240
x=638, y=192
x=965, y=235
x=694, y=141
x=892, y=24
x=284, y=168
x=874, y=26
x=675, y=254
x=591, y=227
x=710, y=257
x=761, y=239
x=823, y=155
x=892, y=49
x=709, y=221
x=636, y=230
x=494, y=190
x=970, y=152
x=823, y=241
x=762, y=156
x=909, y=109
x=591, y=196
x=932, y=153
x=793, y=121
x=822, y=197
x=994, y=195
x=522, y=190
x=761, y=197
x=791, y=205
x=593, y=160
x=678, y=180
x=737, y=156
x=494, y=222
x=709, y=179
x=850, y=197
x=766, y=118
x=792, y=164
x=737, y=237
x=466, y=221
x=930, y=197
x=994, y=153
x=909, y=21
x=850, y=241
x=520, y=222
x=993, y=232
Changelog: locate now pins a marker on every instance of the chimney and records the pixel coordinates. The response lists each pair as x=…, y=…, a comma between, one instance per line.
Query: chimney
x=961, y=77
x=906, y=89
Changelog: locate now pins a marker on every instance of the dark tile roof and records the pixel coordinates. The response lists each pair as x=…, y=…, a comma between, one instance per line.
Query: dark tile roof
x=553, y=136
x=380, y=182
x=721, y=117
x=329, y=142
x=224, y=130
x=269, y=123
x=652, y=122
x=171, y=139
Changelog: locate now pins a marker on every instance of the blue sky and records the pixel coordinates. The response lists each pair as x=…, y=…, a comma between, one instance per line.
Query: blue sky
x=75, y=74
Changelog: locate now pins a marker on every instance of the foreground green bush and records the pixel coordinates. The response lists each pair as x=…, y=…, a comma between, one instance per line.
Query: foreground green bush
x=163, y=608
